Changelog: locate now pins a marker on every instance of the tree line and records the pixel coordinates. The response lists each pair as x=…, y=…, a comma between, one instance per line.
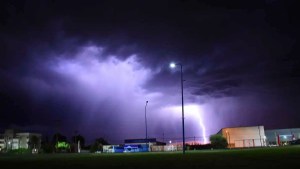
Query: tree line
x=60, y=144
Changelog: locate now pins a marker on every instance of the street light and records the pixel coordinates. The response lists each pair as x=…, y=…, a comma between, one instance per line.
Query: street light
x=146, y=119
x=173, y=65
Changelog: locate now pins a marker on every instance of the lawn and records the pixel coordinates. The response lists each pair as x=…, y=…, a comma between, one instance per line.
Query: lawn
x=276, y=157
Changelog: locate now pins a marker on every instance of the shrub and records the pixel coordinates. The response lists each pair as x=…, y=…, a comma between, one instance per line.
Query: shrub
x=200, y=147
x=98, y=145
x=47, y=148
x=218, y=141
x=20, y=151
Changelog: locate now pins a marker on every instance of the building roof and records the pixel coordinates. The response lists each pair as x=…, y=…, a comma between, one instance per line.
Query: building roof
x=220, y=131
x=149, y=140
x=27, y=133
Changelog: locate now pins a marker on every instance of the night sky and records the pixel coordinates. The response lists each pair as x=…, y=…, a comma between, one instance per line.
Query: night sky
x=90, y=66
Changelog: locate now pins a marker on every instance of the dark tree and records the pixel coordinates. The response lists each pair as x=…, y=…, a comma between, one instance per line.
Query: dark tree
x=102, y=141
x=59, y=138
x=77, y=138
x=34, y=142
x=98, y=145
x=47, y=147
x=218, y=141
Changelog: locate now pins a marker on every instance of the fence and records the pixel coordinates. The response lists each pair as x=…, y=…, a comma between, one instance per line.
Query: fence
x=247, y=143
x=166, y=148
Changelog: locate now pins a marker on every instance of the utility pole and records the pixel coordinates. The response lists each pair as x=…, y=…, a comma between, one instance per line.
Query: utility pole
x=182, y=107
x=173, y=65
x=146, y=119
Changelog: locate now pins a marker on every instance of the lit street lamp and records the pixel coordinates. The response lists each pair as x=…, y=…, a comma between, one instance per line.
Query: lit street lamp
x=173, y=65
x=146, y=119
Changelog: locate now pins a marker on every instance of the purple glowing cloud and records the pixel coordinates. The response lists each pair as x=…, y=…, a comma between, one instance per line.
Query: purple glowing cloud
x=112, y=92
x=104, y=96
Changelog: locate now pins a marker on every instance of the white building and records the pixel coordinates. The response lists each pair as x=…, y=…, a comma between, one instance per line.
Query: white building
x=2, y=143
x=12, y=140
x=282, y=136
x=242, y=137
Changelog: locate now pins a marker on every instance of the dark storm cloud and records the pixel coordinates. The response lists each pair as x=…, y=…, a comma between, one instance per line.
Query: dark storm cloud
x=238, y=57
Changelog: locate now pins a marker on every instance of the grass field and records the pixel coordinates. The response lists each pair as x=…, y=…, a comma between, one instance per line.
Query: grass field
x=276, y=157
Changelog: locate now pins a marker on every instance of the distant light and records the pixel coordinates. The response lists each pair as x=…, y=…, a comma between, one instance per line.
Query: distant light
x=284, y=137
x=170, y=141
x=172, y=65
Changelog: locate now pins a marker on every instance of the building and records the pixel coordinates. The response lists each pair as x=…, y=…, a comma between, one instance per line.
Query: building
x=140, y=145
x=133, y=145
x=12, y=139
x=281, y=136
x=242, y=137
x=113, y=149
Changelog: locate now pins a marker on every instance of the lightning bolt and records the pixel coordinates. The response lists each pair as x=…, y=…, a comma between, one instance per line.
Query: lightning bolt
x=202, y=127
x=196, y=113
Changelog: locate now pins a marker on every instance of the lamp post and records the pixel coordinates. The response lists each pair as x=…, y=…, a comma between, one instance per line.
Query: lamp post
x=173, y=65
x=146, y=119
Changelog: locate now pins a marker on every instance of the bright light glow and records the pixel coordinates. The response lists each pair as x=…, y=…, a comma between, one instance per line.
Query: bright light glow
x=170, y=141
x=172, y=65
x=284, y=137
